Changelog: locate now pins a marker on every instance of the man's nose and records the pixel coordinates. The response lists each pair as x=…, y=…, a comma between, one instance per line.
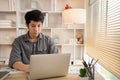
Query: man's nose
x=36, y=28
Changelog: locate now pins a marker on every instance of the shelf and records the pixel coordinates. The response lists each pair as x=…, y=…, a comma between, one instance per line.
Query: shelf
x=54, y=28
x=7, y=11
x=22, y=27
x=67, y=28
x=70, y=44
x=7, y=27
x=52, y=12
x=5, y=44
x=46, y=28
x=53, y=25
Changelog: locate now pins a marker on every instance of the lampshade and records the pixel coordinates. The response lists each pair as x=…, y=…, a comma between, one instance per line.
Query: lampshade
x=74, y=16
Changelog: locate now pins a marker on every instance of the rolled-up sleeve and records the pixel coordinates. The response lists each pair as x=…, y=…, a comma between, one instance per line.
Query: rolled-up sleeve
x=15, y=53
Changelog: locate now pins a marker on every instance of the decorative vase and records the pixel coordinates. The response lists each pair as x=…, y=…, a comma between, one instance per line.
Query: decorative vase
x=91, y=73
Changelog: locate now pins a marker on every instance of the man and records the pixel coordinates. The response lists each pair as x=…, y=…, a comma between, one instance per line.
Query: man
x=33, y=42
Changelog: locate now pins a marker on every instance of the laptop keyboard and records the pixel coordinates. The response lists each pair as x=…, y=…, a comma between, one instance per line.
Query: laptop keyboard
x=3, y=74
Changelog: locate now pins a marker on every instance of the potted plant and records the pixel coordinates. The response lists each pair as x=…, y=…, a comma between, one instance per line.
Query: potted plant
x=83, y=73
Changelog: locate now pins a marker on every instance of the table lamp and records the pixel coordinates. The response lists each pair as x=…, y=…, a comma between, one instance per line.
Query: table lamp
x=73, y=17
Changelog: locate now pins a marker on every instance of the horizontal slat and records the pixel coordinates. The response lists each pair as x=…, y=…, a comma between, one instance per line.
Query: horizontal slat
x=116, y=18
x=114, y=15
x=112, y=4
x=114, y=40
x=113, y=11
x=106, y=53
x=110, y=36
x=111, y=69
x=114, y=25
x=112, y=50
x=117, y=32
x=116, y=9
x=113, y=28
x=109, y=62
x=113, y=32
x=108, y=65
x=111, y=46
x=114, y=65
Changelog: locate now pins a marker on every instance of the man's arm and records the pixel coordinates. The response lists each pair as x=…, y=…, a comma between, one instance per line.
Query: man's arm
x=20, y=66
x=15, y=58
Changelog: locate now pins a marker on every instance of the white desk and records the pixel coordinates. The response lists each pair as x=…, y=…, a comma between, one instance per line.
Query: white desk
x=70, y=76
x=23, y=76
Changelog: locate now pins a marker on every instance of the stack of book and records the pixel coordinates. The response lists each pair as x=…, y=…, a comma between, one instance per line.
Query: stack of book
x=5, y=23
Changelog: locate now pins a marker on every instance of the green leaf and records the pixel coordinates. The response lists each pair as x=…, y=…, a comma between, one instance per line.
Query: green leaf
x=83, y=72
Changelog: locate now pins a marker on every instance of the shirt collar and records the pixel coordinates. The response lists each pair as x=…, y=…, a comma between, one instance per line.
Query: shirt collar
x=27, y=37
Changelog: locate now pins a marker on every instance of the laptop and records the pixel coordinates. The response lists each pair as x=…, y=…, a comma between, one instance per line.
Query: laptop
x=48, y=65
x=3, y=74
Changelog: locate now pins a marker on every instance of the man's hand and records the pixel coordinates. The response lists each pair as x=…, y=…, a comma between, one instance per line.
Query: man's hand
x=20, y=66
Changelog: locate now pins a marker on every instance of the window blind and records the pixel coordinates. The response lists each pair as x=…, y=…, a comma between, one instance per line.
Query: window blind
x=106, y=45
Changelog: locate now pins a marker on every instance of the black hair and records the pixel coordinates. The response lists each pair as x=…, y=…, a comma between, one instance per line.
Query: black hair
x=34, y=15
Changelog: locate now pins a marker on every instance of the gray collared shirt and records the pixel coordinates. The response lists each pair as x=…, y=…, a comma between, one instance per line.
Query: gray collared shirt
x=23, y=48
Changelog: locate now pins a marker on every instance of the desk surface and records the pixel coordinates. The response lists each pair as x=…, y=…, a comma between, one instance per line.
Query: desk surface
x=23, y=76
x=70, y=76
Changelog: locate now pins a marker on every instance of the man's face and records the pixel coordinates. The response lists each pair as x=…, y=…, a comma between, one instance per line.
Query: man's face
x=34, y=28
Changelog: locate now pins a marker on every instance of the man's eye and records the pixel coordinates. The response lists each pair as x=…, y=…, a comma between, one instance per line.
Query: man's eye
x=38, y=25
x=33, y=26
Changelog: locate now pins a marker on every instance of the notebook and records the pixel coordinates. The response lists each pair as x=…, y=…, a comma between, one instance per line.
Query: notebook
x=3, y=74
x=48, y=65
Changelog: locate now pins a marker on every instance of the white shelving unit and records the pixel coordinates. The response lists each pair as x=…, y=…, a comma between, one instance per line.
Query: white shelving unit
x=53, y=25
x=7, y=28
